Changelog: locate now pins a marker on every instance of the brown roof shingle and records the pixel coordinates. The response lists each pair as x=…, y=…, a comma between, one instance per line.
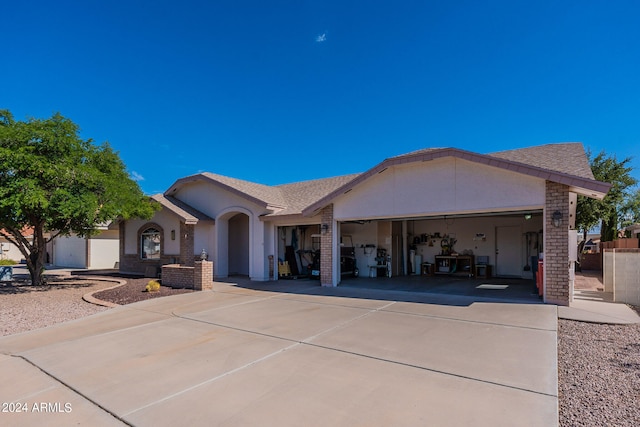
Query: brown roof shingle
x=299, y=195
x=568, y=158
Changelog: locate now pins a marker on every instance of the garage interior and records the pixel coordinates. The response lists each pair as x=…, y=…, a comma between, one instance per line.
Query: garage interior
x=444, y=253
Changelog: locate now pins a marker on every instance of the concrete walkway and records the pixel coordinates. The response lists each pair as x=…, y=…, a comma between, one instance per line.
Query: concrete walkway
x=288, y=357
x=591, y=304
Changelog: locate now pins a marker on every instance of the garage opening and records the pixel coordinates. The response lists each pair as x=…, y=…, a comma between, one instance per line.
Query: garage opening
x=299, y=251
x=481, y=247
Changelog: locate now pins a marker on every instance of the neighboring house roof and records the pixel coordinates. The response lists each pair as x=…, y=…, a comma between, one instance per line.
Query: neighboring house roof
x=186, y=213
x=633, y=228
x=562, y=163
x=26, y=231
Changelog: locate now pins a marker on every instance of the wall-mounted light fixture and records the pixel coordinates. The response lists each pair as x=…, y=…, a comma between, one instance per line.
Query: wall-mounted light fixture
x=556, y=217
x=527, y=216
x=324, y=228
x=173, y=234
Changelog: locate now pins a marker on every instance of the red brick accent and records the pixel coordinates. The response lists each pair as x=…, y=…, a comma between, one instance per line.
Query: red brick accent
x=198, y=277
x=203, y=276
x=556, y=245
x=326, y=247
x=178, y=276
x=187, y=232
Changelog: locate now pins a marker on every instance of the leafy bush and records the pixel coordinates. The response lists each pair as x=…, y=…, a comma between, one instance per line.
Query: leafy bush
x=152, y=286
x=7, y=262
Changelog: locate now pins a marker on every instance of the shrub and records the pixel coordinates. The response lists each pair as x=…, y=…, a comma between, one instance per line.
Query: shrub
x=152, y=286
x=7, y=262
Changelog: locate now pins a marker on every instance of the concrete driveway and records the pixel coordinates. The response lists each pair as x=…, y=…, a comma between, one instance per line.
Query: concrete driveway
x=288, y=356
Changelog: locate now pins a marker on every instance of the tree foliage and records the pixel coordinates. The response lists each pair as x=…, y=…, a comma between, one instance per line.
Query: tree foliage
x=52, y=182
x=610, y=211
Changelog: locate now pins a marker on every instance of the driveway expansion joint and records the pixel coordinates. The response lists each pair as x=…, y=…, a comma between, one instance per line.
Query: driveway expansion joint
x=74, y=390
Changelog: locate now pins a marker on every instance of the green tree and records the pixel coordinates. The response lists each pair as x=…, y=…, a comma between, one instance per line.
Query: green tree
x=631, y=209
x=610, y=211
x=53, y=183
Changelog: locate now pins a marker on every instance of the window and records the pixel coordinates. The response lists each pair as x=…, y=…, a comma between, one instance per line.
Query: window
x=150, y=244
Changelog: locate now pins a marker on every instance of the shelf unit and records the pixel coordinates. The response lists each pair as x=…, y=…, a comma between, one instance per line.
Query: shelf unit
x=455, y=264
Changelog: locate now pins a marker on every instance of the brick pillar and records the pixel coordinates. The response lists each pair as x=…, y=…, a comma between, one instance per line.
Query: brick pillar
x=203, y=276
x=186, y=244
x=326, y=247
x=556, y=245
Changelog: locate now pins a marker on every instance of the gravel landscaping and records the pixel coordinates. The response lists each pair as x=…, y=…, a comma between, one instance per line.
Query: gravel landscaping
x=598, y=374
x=598, y=365
x=24, y=307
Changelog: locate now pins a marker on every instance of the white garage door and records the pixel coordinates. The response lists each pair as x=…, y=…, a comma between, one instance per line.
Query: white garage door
x=104, y=253
x=70, y=252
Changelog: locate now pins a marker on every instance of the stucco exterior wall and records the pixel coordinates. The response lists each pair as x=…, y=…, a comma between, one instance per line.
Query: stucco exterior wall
x=223, y=206
x=10, y=251
x=440, y=186
x=166, y=220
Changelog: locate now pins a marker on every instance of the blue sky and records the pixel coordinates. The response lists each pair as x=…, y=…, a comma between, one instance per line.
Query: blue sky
x=284, y=91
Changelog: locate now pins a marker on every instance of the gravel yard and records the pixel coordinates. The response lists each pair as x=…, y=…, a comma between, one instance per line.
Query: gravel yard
x=24, y=307
x=598, y=365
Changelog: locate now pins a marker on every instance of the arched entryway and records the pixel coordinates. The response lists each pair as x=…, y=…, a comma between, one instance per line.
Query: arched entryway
x=238, y=244
x=233, y=232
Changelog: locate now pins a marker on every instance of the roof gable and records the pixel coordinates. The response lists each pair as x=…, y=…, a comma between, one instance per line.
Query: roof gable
x=186, y=213
x=263, y=195
x=562, y=163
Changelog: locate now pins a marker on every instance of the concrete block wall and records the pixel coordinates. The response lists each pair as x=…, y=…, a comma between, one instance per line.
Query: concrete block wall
x=621, y=275
x=556, y=245
x=608, y=257
x=326, y=247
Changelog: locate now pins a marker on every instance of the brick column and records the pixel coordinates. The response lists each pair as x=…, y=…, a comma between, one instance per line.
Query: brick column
x=326, y=247
x=186, y=244
x=203, y=276
x=556, y=245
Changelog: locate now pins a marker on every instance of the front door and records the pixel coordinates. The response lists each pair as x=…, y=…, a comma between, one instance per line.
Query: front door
x=509, y=251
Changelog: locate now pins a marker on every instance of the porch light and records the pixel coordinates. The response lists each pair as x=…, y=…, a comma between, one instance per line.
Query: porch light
x=325, y=228
x=555, y=218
